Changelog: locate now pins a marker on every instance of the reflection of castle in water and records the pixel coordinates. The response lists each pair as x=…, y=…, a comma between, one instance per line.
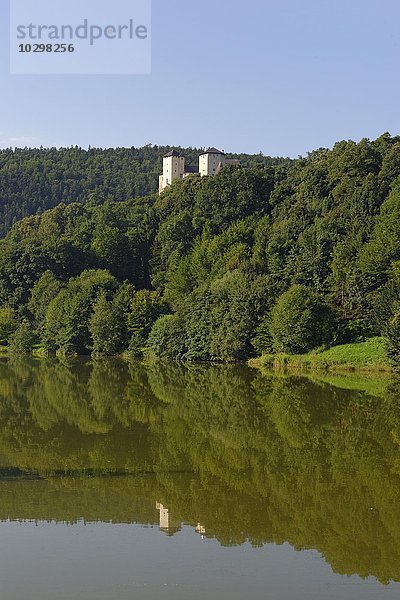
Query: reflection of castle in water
x=200, y=529
x=170, y=525
x=167, y=522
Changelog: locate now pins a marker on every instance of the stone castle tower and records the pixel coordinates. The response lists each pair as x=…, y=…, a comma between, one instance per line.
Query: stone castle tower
x=211, y=162
x=173, y=168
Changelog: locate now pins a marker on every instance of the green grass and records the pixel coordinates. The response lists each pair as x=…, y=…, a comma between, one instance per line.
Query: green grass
x=365, y=356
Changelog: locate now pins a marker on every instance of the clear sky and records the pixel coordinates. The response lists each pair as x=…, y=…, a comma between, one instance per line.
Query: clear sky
x=282, y=77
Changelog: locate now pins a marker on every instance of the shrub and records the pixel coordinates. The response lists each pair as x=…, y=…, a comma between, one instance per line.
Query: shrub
x=8, y=324
x=107, y=328
x=393, y=341
x=22, y=340
x=300, y=321
x=167, y=339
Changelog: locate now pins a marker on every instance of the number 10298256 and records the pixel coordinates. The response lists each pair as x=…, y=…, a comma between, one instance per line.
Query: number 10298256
x=40, y=48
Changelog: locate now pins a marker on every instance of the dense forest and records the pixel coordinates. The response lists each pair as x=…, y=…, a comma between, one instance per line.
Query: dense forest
x=251, y=457
x=264, y=257
x=34, y=180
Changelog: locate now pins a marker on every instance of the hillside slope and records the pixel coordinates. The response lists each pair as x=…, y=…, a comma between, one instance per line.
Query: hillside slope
x=34, y=180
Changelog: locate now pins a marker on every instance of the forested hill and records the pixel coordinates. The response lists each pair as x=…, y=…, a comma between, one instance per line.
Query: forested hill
x=34, y=180
x=283, y=258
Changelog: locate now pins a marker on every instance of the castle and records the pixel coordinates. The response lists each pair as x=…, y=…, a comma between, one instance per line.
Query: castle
x=210, y=163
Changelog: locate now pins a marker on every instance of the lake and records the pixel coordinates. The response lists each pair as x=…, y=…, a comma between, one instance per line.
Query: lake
x=129, y=481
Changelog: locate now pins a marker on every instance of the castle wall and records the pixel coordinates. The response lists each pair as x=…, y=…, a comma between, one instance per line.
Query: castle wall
x=209, y=165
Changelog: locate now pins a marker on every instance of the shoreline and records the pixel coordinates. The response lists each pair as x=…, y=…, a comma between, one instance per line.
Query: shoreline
x=367, y=357
x=362, y=357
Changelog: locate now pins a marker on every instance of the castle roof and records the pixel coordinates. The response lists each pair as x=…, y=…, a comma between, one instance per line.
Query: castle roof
x=173, y=153
x=213, y=151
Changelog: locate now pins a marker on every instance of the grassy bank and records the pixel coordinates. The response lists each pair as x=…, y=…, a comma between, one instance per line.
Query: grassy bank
x=365, y=356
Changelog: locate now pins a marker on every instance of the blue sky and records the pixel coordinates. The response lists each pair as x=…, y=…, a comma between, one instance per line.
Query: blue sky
x=288, y=77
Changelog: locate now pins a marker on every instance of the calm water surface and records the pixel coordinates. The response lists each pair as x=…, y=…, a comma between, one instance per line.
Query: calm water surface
x=128, y=481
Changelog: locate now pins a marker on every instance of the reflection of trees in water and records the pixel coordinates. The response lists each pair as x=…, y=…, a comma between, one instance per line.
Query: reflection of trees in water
x=250, y=457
